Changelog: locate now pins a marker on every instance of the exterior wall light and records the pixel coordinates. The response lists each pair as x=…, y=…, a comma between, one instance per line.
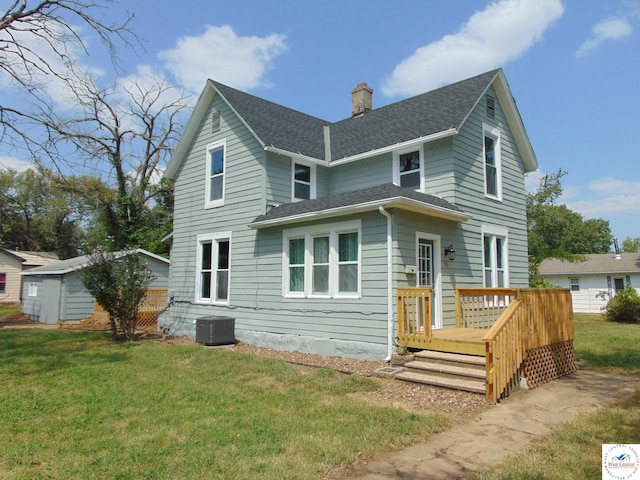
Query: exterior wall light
x=450, y=252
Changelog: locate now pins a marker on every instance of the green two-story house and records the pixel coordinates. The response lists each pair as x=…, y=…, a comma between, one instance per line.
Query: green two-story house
x=303, y=229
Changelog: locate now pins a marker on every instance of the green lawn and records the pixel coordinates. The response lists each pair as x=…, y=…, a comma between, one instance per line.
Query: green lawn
x=6, y=311
x=574, y=450
x=74, y=405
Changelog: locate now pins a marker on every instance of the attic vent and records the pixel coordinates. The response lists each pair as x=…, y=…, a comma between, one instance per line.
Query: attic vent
x=215, y=122
x=491, y=107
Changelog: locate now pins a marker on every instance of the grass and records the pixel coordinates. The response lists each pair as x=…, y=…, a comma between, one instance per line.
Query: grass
x=74, y=405
x=574, y=450
x=5, y=311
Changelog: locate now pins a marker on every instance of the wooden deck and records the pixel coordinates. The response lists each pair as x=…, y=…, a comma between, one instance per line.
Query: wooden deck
x=468, y=341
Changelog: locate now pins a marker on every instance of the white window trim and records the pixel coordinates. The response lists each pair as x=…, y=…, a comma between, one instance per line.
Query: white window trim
x=490, y=131
x=331, y=230
x=312, y=166
x=32, y=289
x=494, y=231
x=211, y=237
x=207, y=194
x=577, y=284
x=437, y=272
x=396, y=165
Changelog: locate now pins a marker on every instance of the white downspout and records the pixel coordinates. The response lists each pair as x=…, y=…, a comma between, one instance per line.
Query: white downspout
x=389, y=283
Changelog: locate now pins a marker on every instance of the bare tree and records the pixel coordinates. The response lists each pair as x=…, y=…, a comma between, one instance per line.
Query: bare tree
x=125, y=133
x=39, y=44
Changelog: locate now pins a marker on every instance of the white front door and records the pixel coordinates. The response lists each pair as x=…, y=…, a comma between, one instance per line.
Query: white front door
x=428, y=274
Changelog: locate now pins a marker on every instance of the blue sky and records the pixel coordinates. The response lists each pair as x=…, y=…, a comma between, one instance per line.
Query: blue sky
x=573, y=67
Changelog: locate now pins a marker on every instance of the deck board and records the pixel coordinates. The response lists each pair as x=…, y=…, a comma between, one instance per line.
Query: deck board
x=458, y=340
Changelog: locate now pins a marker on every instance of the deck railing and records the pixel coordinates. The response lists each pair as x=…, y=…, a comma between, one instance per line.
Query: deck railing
x=414, y=315
x=481, y=307
x=535, y=320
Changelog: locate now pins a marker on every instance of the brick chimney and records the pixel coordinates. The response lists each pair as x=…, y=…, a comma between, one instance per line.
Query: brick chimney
x=361, y=99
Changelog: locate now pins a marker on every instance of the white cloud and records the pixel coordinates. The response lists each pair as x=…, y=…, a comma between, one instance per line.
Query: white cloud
x=499, y=33
x=14, y=164
x=607, y=198
x=220, y=54
x=609, y=29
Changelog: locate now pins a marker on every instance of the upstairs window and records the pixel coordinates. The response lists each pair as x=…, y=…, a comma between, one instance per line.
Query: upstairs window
x=303, y=179
x=408, y=169
x=492, y=163
x=216, y=166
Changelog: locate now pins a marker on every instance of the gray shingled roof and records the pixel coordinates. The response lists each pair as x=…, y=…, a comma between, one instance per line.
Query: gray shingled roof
x=416, y=117
x=76, y=263
x=367, y=196
x=593, y=264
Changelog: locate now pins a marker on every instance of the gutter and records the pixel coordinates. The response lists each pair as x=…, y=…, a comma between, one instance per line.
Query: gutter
x=389, y=283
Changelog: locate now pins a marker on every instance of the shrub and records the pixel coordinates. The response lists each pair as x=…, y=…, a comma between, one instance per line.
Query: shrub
x=624, y=307
x=118, y=281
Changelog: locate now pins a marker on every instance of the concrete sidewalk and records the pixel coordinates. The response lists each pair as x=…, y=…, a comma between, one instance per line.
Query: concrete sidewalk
x=499, y=429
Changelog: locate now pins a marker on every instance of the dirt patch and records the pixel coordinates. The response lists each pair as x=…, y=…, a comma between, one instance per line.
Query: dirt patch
x=412, y=397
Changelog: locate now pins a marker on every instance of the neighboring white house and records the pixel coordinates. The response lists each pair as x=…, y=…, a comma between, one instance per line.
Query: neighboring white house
x=597, y=273
x=12, y=263
x=55, y=292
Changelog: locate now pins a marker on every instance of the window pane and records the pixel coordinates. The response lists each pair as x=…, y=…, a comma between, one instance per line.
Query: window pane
x=499, y=255
x=223, y=255
x=619, y=284
x=321, y=279
x=488, y=281
x=489, y=151
x=206, y=256
x=321, y=250
x=216, y=188
x=348, y=278
x=492, y=180
x=302, y=173
x=222, y=285
x=302, y=190
x=348, y=247
x=217, y=161
x=296, y=251
x=409, y=161
x=205, y=281
x=410, y=179
x=296, y=279
x=487, y=252
x=500, y=278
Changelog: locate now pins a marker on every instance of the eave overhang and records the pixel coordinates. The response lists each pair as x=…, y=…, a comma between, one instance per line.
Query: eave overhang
x=400, y=203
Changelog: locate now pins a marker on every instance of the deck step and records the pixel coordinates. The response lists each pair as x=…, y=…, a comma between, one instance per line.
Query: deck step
x=475, y=386
x=454, y=358
x=460, y=370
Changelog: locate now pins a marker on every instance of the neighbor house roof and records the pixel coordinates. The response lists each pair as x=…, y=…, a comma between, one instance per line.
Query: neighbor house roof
x=368, y=199
x=30, y=258
x=72, y=264
x=431, y=115
x=605, y=263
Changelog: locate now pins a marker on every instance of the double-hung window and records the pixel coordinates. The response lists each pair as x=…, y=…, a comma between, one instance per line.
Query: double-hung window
x=492, y=162
x=303, y=181
x=213, y=268
x=408, y=169
x=3, y=282
x=322, y=262
x=495, y=257
x=574, y=284
x=216, y=167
